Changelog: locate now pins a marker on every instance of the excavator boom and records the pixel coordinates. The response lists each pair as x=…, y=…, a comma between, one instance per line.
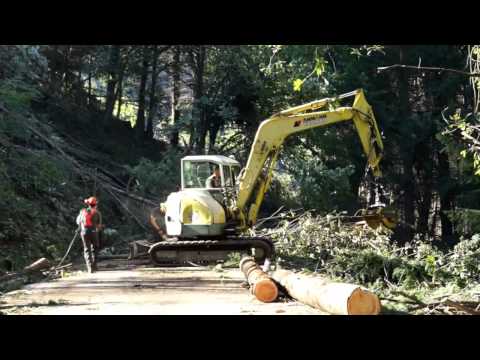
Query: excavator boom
x=256, y=177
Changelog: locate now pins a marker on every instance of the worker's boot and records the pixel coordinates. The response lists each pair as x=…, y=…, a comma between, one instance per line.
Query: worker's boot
x=94, y=258
x=90, y=267
x=88, y=262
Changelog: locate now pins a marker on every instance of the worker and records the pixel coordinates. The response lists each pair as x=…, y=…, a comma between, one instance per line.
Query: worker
x=214, y=180
x=90, y=221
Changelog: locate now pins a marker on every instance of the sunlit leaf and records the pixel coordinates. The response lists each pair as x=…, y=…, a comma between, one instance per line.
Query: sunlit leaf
x=319, y=66
x=297, y=85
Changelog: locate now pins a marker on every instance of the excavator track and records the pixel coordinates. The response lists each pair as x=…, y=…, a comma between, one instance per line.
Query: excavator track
x=183, y=251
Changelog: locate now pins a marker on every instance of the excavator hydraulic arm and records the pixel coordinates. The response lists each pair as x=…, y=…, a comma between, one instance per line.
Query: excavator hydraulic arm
x=256, y=177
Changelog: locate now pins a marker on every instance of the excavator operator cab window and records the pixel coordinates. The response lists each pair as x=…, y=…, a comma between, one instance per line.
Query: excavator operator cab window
x=235, y=174
x=227, y=174
x=196, y=174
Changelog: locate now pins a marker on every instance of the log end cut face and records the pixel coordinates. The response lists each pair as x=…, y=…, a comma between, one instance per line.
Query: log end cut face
x=363, y=302
x=265, y=290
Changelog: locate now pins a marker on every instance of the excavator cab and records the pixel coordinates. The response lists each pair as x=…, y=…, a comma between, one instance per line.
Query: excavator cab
x=197, y=169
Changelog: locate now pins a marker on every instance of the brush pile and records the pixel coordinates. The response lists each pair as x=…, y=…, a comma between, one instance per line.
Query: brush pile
x=417, y=278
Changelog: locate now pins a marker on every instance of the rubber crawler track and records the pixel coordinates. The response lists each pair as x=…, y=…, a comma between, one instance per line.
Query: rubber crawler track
x=237, y=244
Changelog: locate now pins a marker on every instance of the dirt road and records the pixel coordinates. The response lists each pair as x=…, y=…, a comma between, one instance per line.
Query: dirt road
x=123, y=288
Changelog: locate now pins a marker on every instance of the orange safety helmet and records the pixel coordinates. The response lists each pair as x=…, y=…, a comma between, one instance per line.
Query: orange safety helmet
x=92, y=201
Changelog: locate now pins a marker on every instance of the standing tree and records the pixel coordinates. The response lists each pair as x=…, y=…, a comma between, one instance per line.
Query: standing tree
x=113, y=68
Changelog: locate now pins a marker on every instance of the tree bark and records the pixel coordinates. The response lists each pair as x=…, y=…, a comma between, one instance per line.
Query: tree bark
x=120, y=98
x=409, y=186
x=198, y=57
x=113, y=70
x=213, y=132
x=446, y=200
x=119, y=92
x=152, y=108
x=140, y=123
x=175, y=96
x=90, y=75
x=424, y=170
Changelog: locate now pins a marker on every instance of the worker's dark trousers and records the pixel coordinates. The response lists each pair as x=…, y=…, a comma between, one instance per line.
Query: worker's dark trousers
x=90, y=247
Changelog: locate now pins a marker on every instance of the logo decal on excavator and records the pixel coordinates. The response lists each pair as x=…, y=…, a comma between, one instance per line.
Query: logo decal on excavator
x=316, y=120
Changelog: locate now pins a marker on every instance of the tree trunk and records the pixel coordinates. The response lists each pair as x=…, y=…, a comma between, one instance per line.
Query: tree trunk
x=409, y=186
x=66, y=69
x=424, y=170
x=213, y=132
x=140, y=124
x=409, y=200
x=119, y=92
x=175, y=96
x=200, y=127
x=113, y=70
x=446, y=200
x=90, y=74
x=120, y=98
x=152, y=95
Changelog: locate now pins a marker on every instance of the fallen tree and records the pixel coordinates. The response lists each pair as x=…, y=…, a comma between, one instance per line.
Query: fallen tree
x=332, y=297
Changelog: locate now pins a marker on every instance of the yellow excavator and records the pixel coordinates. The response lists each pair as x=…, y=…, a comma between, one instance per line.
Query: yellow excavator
x=218, y=202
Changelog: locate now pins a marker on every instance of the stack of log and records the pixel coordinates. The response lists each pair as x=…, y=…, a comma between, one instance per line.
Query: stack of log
x=318, y=292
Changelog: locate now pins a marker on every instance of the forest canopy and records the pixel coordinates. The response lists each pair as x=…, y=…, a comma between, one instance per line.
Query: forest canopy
x=175, y=100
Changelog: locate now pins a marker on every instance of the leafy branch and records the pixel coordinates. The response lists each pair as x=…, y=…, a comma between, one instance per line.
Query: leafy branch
x=427, y=68
x=319, y=69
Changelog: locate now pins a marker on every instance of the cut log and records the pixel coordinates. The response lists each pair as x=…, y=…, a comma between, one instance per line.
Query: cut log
x=42, y=264
x=261, y=285
x=332, y=297
x=38, y=265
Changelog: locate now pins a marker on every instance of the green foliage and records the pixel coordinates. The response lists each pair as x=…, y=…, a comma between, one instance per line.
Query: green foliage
x=36, y=174
x=233, y=260
x=158, y=178
x=17, y=95
x=322, y=188
x=368, y=257
x=465, y=259
x=297, y=84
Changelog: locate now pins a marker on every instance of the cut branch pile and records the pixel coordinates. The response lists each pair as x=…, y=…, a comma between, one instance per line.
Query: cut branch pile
x=343, y=252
